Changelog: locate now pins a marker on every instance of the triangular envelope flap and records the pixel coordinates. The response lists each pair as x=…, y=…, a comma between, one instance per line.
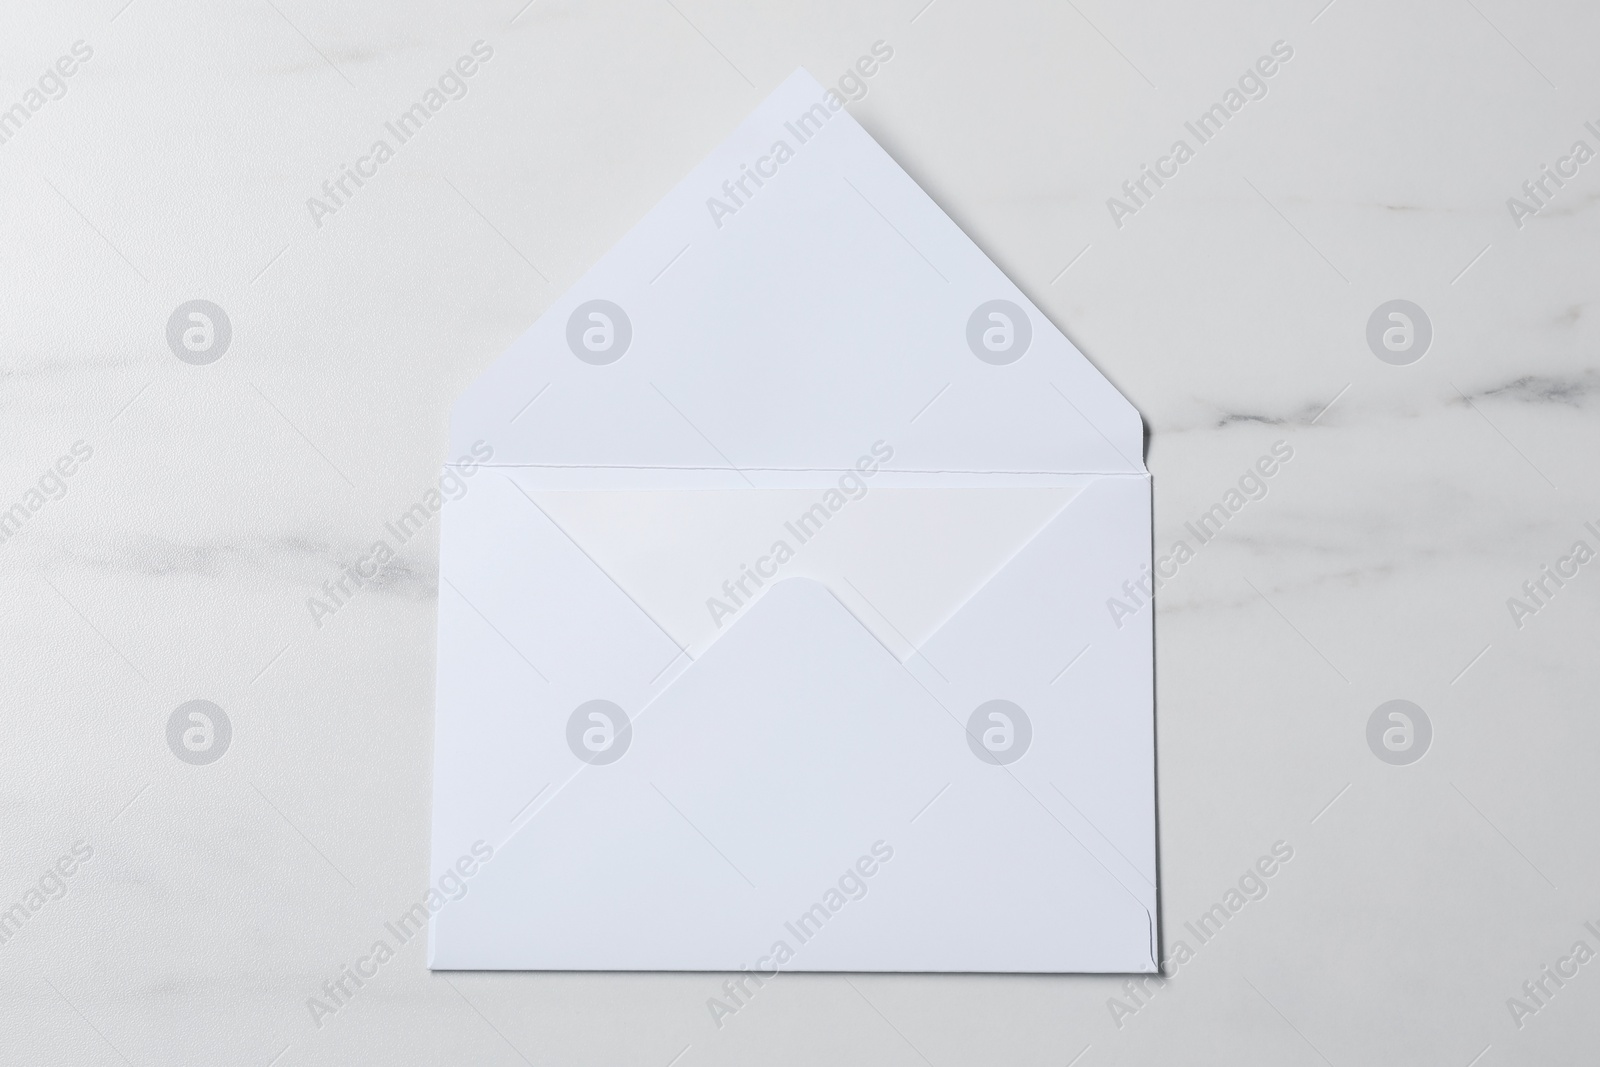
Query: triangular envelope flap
x=750, y=784
x=901, y=560
x=795, y=299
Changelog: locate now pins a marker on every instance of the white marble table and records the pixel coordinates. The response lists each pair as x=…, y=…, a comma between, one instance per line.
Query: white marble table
x=208, y=501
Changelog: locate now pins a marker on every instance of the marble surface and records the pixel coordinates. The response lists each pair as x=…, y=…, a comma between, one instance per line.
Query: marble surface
x=175, y=562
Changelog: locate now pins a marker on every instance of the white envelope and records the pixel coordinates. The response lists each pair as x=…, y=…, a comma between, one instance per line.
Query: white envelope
x=773, y=619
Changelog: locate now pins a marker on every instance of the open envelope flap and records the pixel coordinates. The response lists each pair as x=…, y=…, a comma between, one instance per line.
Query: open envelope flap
x=749, y=791
x=796, y=735
x=794, y=300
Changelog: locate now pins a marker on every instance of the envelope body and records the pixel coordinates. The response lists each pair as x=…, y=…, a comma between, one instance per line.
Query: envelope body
x=795, y=607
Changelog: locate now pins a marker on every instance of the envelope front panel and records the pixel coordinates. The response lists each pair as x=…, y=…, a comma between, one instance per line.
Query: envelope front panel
x=757, y=780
